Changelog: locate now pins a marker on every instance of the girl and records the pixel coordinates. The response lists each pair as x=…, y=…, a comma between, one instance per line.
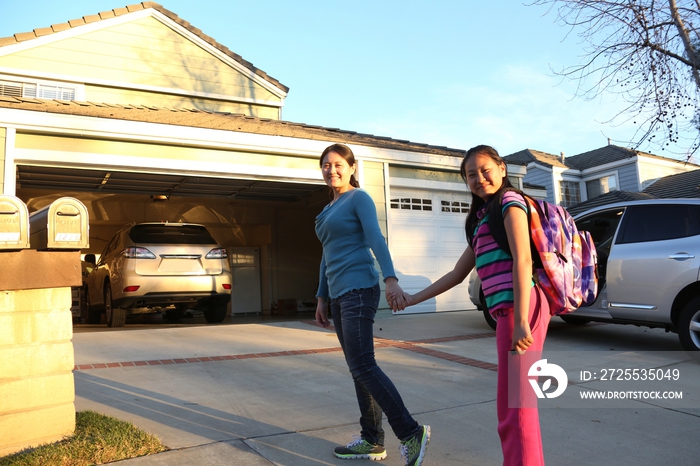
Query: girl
x=520, y=308
x=348, y=228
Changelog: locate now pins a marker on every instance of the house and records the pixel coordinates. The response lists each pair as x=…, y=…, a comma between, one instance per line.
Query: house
x=572, y=180
x=143, y=117
x=680, y=185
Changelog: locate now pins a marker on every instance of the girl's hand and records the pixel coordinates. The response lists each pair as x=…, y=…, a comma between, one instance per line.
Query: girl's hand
x=522, y=338
x=395, y=295
x=322, y=313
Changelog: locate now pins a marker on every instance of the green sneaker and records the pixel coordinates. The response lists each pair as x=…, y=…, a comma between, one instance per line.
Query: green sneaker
x=413, y=450
x=360, y=449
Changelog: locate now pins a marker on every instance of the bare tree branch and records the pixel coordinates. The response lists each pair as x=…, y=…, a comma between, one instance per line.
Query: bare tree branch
x=648, y=53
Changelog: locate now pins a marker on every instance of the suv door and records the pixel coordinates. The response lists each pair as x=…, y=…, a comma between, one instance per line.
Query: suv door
x=653, y=257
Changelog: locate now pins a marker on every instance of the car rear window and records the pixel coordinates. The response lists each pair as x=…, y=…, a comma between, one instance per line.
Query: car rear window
x=170, y=234
x=659, y=222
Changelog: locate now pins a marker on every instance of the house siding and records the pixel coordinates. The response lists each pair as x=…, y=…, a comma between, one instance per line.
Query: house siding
x=140, y=52
x=543, y=178
x=3, y=144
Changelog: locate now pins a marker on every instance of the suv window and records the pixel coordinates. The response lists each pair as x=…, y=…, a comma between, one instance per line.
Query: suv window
x=168, y=234
x=659, y=222
x=602, y=227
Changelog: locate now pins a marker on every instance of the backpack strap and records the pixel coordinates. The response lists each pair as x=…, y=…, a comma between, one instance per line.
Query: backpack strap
x=497, y=225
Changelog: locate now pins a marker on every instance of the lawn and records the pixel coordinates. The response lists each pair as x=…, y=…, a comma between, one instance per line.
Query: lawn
x=98, y=439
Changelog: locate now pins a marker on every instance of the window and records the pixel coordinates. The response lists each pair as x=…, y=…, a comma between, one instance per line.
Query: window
x=412, y=203
x=595, y=188
x=170, y=234
x=34, y=90
x=455, y=206
x=659, y=222
x=570, y=193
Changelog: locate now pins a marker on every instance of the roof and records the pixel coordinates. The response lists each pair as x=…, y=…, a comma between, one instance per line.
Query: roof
x=218, y=121
x=75, y=23
x=608, y=154
x=527, y=156
x=681, y=185
x=610, y=197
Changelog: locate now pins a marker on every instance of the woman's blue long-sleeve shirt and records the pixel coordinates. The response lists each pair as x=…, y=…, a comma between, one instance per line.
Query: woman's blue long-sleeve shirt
x=348, y=229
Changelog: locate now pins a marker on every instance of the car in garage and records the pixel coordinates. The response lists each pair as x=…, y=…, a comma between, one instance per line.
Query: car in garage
x=648, y=267
x=158, y=267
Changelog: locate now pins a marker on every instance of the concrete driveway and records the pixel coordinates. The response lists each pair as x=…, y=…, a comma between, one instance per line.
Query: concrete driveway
x=262, y=391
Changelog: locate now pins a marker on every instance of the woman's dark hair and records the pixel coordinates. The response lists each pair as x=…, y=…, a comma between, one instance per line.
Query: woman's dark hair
x=477, y=202
x=346, y=153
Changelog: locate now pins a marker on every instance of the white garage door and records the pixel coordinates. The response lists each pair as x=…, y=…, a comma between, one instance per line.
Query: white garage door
x=426, y=239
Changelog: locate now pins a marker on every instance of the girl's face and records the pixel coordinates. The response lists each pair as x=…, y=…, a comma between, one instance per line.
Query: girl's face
x=484, y=175
x=336, y=172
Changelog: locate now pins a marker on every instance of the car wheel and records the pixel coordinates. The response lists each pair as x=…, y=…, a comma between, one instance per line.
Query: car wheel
x=93, y=314
x=689, y=325
x=573, y=320
x=487, y=315
x=116, y=317
x=215, y=312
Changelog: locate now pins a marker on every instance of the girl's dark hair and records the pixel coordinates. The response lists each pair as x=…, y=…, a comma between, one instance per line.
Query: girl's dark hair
x=346, y=153
x=477, y=202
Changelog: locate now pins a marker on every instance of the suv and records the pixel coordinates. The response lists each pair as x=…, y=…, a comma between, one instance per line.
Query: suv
x=151, y=267
x=648, y=267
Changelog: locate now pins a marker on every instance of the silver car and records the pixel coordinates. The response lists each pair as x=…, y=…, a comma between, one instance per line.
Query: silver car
x=153, y=267
x=648, y=264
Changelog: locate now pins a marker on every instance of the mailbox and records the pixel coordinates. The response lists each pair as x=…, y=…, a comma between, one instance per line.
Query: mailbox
x=14, y=223
x=63, y=224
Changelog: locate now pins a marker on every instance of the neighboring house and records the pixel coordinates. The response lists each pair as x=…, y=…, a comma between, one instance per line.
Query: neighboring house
x=572, y=180
x=681, y=185
x=143, y=117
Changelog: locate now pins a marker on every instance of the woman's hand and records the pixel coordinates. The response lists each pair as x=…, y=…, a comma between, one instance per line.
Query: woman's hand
x=522, y=338
x=394, y=294
x=322, y=313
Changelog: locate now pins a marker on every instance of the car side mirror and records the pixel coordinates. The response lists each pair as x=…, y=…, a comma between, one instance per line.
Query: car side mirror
x=90, y=259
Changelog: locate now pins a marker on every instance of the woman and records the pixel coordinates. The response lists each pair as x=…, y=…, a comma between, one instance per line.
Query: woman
x=349, y=284
x=521, y=310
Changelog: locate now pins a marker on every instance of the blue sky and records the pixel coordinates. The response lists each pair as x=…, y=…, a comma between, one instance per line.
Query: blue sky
x=453, y=73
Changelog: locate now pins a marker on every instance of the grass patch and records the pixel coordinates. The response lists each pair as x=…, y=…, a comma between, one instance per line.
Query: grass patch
x=98, y=439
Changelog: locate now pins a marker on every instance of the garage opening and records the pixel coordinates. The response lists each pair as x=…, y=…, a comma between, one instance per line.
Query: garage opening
x=268, y=222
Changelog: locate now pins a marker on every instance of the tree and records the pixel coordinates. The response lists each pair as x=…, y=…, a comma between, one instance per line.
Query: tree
x=646, y=51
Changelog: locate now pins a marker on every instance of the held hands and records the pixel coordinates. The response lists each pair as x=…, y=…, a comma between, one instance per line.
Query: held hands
x=397, y=298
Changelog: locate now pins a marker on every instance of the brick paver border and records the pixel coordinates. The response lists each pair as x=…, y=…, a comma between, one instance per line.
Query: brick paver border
x=415, y=346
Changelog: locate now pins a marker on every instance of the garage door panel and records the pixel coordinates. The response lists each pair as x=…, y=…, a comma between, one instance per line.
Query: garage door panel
x=425, y=245
x=414, y=234
x=452, y=235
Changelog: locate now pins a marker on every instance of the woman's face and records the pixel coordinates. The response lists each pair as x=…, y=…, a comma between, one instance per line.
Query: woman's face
x=484, y=175
x=336, y=172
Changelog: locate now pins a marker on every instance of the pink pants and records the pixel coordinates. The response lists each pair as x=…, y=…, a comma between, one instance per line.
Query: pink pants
x=518, y=427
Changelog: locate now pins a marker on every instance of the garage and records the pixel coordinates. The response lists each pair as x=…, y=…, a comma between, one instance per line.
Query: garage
x=426, y=233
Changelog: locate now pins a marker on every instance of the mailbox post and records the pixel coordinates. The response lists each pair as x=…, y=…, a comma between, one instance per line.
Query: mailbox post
x=63, y=224
x=14, y=223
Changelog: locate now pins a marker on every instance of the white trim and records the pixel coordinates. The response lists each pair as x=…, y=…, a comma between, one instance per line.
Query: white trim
x=136, y=131
x=387, y=194
x=14, y=74
x=10, y=178
x=395, y=182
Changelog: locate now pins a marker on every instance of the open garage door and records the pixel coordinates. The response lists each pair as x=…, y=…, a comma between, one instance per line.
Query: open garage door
x=274, y=216
x=426, y=239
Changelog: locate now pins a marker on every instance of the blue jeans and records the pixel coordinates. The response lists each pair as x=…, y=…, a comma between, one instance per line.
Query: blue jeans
x=353, y=317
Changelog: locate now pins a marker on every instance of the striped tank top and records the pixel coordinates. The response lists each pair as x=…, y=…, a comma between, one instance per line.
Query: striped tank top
x=494, y=266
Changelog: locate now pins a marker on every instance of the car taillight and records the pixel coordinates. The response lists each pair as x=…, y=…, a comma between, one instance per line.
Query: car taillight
x=131, y=289
x=217, y=253
x=137, y=253
x=227, y=286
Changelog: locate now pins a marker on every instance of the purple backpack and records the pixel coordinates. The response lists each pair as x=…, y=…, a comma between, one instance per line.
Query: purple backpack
x=565, y=262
